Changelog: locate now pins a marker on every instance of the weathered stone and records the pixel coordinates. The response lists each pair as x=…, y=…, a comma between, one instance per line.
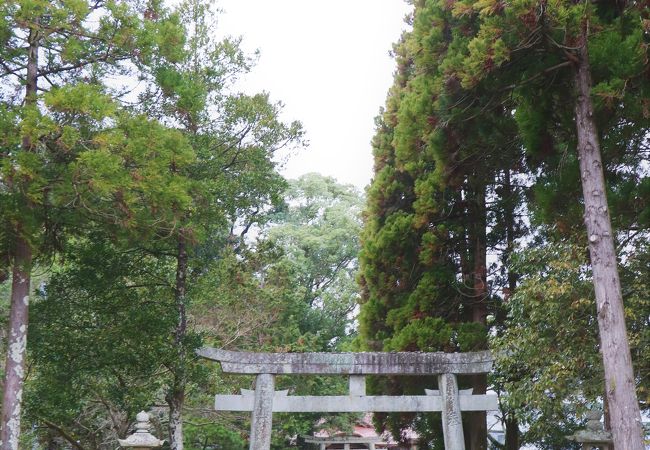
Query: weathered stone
x=141, y=439
x=452, y=424
x=251, y=392
x=357, y=385
x=397, y=363
x=262, y=412
x=593, y=435
x=264, y=401
x=460, y=391
x=356, y=403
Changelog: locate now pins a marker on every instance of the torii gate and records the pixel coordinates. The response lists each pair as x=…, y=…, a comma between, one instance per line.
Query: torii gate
x=264, y=401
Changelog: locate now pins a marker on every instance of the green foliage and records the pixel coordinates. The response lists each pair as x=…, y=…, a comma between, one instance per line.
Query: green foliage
x=105, y=183
x=543, y=364
x=99, y=339
x=317, y=230
x=66, y=156
x=201, y=433
x=479, y=130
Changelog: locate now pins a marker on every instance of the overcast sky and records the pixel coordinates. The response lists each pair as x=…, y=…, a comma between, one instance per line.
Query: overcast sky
x=328, y=62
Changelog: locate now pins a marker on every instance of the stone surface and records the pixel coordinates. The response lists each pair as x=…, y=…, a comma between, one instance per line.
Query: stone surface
x=460, y=391
x=264, y=401
x=357, y=385
x=593, y=432
x=141, y=438
x=357, y=403
x=262, y=412
x=452, y=423
x=397, y=363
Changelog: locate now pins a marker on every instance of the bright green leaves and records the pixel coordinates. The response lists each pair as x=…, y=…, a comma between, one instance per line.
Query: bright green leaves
x=162, y=36
x=81, y=99
x=30, y=10
x=428, y=334
x=171, y=39
x=486, y=52
x=102, y=158
x=138, y=174
x=68, y=13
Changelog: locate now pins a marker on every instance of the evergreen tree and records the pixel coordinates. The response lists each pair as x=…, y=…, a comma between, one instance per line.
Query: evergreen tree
x=71, y=154
x=234, y=137
x=479, y=106
x=445, y=158
x=577, y=43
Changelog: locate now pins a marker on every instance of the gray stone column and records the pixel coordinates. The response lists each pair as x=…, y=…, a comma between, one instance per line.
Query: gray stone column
x=371, y=446
x=357, y=384
x=452, y=424
x=262, y=412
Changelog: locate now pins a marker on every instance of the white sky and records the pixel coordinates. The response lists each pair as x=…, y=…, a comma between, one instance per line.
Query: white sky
x=327, y=61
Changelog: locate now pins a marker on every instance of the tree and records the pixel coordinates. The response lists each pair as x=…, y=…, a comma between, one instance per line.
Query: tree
x=317, y=230
x=444, y=162
x=52, y=47
x=234, y=137
x=564, y=33
x=99, y=342
x=478, y=113
x=290, y=289
x=551, y=373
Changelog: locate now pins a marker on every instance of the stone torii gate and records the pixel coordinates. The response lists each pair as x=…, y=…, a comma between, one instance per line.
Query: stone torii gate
x=264, y=401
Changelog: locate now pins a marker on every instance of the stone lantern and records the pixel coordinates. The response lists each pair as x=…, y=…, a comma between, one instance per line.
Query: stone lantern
x=593, y=435
x=141, y=439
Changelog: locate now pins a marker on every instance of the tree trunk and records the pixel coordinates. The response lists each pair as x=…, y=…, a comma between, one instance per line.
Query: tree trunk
x=175, y=400
x=20, y=290
x=16, y=346
x=478, y=422
x=509, y=219
x=619, y=377
x=510, y=421
x=176, y=395
x=606, y=420
x=512, y=432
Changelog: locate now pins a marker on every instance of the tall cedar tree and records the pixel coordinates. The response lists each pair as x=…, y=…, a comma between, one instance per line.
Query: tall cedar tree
x=59, y=156
x=448, y=116
x=562, y=37
x=443, y=165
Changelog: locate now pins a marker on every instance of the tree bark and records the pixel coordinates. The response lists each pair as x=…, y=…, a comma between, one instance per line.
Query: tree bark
x=478, y=420
x=16, y=346
x=510, y=421
x=512, y=432
x=20, y=290
x=617, y=361
x=176, y=394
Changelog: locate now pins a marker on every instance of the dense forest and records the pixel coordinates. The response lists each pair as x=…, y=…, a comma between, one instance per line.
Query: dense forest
x=143, y=215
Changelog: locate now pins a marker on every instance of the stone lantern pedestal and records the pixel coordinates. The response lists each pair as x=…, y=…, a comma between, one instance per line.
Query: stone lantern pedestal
x=593, y=435
x=141, y=439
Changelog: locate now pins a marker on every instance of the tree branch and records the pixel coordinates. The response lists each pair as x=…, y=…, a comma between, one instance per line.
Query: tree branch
x=64, y=434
